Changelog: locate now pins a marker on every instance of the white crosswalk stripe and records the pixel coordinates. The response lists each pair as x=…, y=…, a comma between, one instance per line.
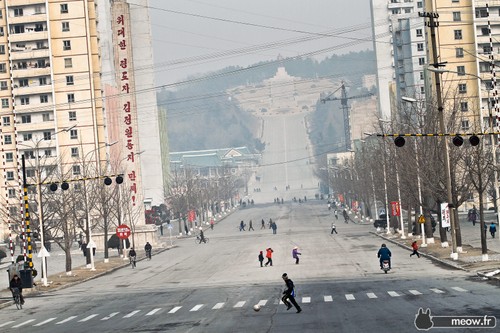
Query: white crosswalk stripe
x=196, y=307
x=459, y=289
x=152, y=312
x=174, y=310
x=393, y=293
x=111, y=315
x=437, y=291
x=306, y=299
x=133, y=313
x=65, y=320
x=350, y=297
x=218, y=306
x=87, y=318
x=23, y=323
x=46, y=321
x=415, y=292
x=328, y=298
x=371, y=295
x=239, y=304
x=262, y=302
x=6, y=323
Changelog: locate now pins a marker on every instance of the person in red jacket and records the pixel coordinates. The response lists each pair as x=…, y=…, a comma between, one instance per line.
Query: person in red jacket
x=269, y=256
x=414, y=246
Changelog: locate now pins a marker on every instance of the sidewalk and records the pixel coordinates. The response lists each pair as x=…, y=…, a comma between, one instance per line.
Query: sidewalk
x=470, y=259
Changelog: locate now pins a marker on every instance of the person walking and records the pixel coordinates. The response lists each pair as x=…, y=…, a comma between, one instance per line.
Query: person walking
x=161, y=229
x=263, y=225
x=414, y=246
x=202, y=236
x=289, y=294
x=493, y=229
x=346, y=216
x=269, y=256
x=242, y=226
x=295, y=255
x=270, y=223
x=250, y=227
x=212, y=224
x=261, y=258
x=148, y=248
x=274, y=227
x=334, y=229
x=336, y=214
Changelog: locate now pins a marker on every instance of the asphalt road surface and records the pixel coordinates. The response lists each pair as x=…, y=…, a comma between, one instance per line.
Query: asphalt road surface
x=213, y=287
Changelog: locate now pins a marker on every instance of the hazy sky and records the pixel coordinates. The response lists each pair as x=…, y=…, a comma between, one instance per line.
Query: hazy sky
x=194, y=36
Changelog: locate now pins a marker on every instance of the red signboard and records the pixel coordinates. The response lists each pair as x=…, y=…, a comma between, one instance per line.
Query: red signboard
x=191, y=216
x=395, y=211
x=123, y=231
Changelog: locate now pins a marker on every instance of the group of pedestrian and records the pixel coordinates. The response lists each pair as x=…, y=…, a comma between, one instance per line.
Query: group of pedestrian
x=269, y=256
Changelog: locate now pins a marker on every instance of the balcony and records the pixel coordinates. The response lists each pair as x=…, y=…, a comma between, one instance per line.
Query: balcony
x=28, y=36
x=32, y=90
x=35, y=18
x=34, y=108
x=30, y=72
x=28, y=53
x=402, y=5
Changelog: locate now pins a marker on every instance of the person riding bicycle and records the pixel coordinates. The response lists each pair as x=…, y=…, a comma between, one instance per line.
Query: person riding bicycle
x=17, y=283
x=384, y=254
x=148, y=249
x=132, y=255
x=202, y=237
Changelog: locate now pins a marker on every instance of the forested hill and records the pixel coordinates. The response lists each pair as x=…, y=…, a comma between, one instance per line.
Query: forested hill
x=201, y=115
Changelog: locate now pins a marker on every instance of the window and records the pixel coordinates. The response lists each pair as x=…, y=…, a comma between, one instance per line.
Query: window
x=458, y=34
x=486, y=49
x=73, y=134
x=455, y=0
x=419, y=32
x=5, y=103
x=3, y=68
x=465, y=124
x=65, y=26
x=422, y=90
x=26, y=119
x=10, y=175
x=64, y=8
x=1, y=28
x=485, y=31
x=18, y=12
x=2, y=49
x=12, y=193
x=7, y=139
x=77, y=187
x=68, y=63
x=420, y=46
x=66, y=45
x=44, y=98
x=9, y=157
x=421, y=75
x=40, y=63
x=69, y=80
x=464, y=106
x=48, y=153
x=462, y=88
x=47, y=136
x=3, y=85
x=459, y=52
x=76, y=170
x=28, y=154
x=1, y=14
x=407, y=10
x=72, y=115
x=396, y=11
x=42, y=81
x=46, y=117
x=23, y=83
x=30, y=173
x=25, y=100
x=481, y=13
x=419, y=4
x=461, y=70
x=421, y=61
x=27, y=137
x=6, y=121
x=40, y=45
x=71, y=98
x=74, y=152
x=457, y=16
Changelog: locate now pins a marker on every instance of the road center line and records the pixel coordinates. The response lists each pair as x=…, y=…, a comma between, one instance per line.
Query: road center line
x=66, y=320
x=174, y=310
x=458, y=289
x=110, y=315
x=306, y=299
x=262, y=302
x=150, y=313
x=349, y=297
x=393, y=293
x=371, y=295
x=328, y=298
x=218, y=306
x=239, y=304
x=437, y=291
x=131, y=314
x=415, y=292
x=87, y=318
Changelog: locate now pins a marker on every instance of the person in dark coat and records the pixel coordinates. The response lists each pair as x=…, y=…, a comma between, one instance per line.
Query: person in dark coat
x=261, y=258
x=289, y=294
x=493, y=229
x=17, y=283
x=274, y=227
x=384, y=254
x=295, y=254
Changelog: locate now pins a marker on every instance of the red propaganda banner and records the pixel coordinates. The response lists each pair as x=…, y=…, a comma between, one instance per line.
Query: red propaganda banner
x=395, y=210
x=191, y=216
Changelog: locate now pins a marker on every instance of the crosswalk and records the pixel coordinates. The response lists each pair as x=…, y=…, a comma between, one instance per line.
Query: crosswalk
x=236, y=305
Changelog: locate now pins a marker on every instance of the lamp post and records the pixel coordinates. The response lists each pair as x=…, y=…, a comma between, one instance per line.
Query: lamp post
x=43, y=251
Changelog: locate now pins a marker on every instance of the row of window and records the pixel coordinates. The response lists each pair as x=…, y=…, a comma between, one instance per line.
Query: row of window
x=26, y=119
x=6, y=103
x=7, y=138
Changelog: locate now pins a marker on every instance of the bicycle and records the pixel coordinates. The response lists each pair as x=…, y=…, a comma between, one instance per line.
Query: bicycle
x=132, y=262
x=198, y=239
x=17, y=298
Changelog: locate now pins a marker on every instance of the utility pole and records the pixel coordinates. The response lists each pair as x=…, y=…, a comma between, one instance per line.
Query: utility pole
x=433, y=24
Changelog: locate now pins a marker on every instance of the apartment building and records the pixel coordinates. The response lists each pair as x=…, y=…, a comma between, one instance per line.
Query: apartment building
x=400, y=49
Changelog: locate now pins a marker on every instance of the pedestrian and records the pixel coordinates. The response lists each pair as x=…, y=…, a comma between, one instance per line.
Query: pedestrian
x=263, y=226
x=336, y=214
x=84, y=248
x=289, y=294
x=346, y=216
x=334, y=229
x=295, y=255
x=242, y=226
x=269, y=256
x=250, y=227
x=186, y=229
x=212, y=224
x=261, y=258
x=274, y=227
x=414, y=246
x=161, y=229
x=493, y=229
x=485, y=229
x=270, y=223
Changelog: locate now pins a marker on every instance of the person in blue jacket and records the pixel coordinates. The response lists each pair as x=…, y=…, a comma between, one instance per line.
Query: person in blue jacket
x=384, y=254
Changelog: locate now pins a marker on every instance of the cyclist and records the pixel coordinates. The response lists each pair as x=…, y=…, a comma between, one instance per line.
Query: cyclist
x=148, y=249
x=202, y=237
x=132, y=255
x=17, y=283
